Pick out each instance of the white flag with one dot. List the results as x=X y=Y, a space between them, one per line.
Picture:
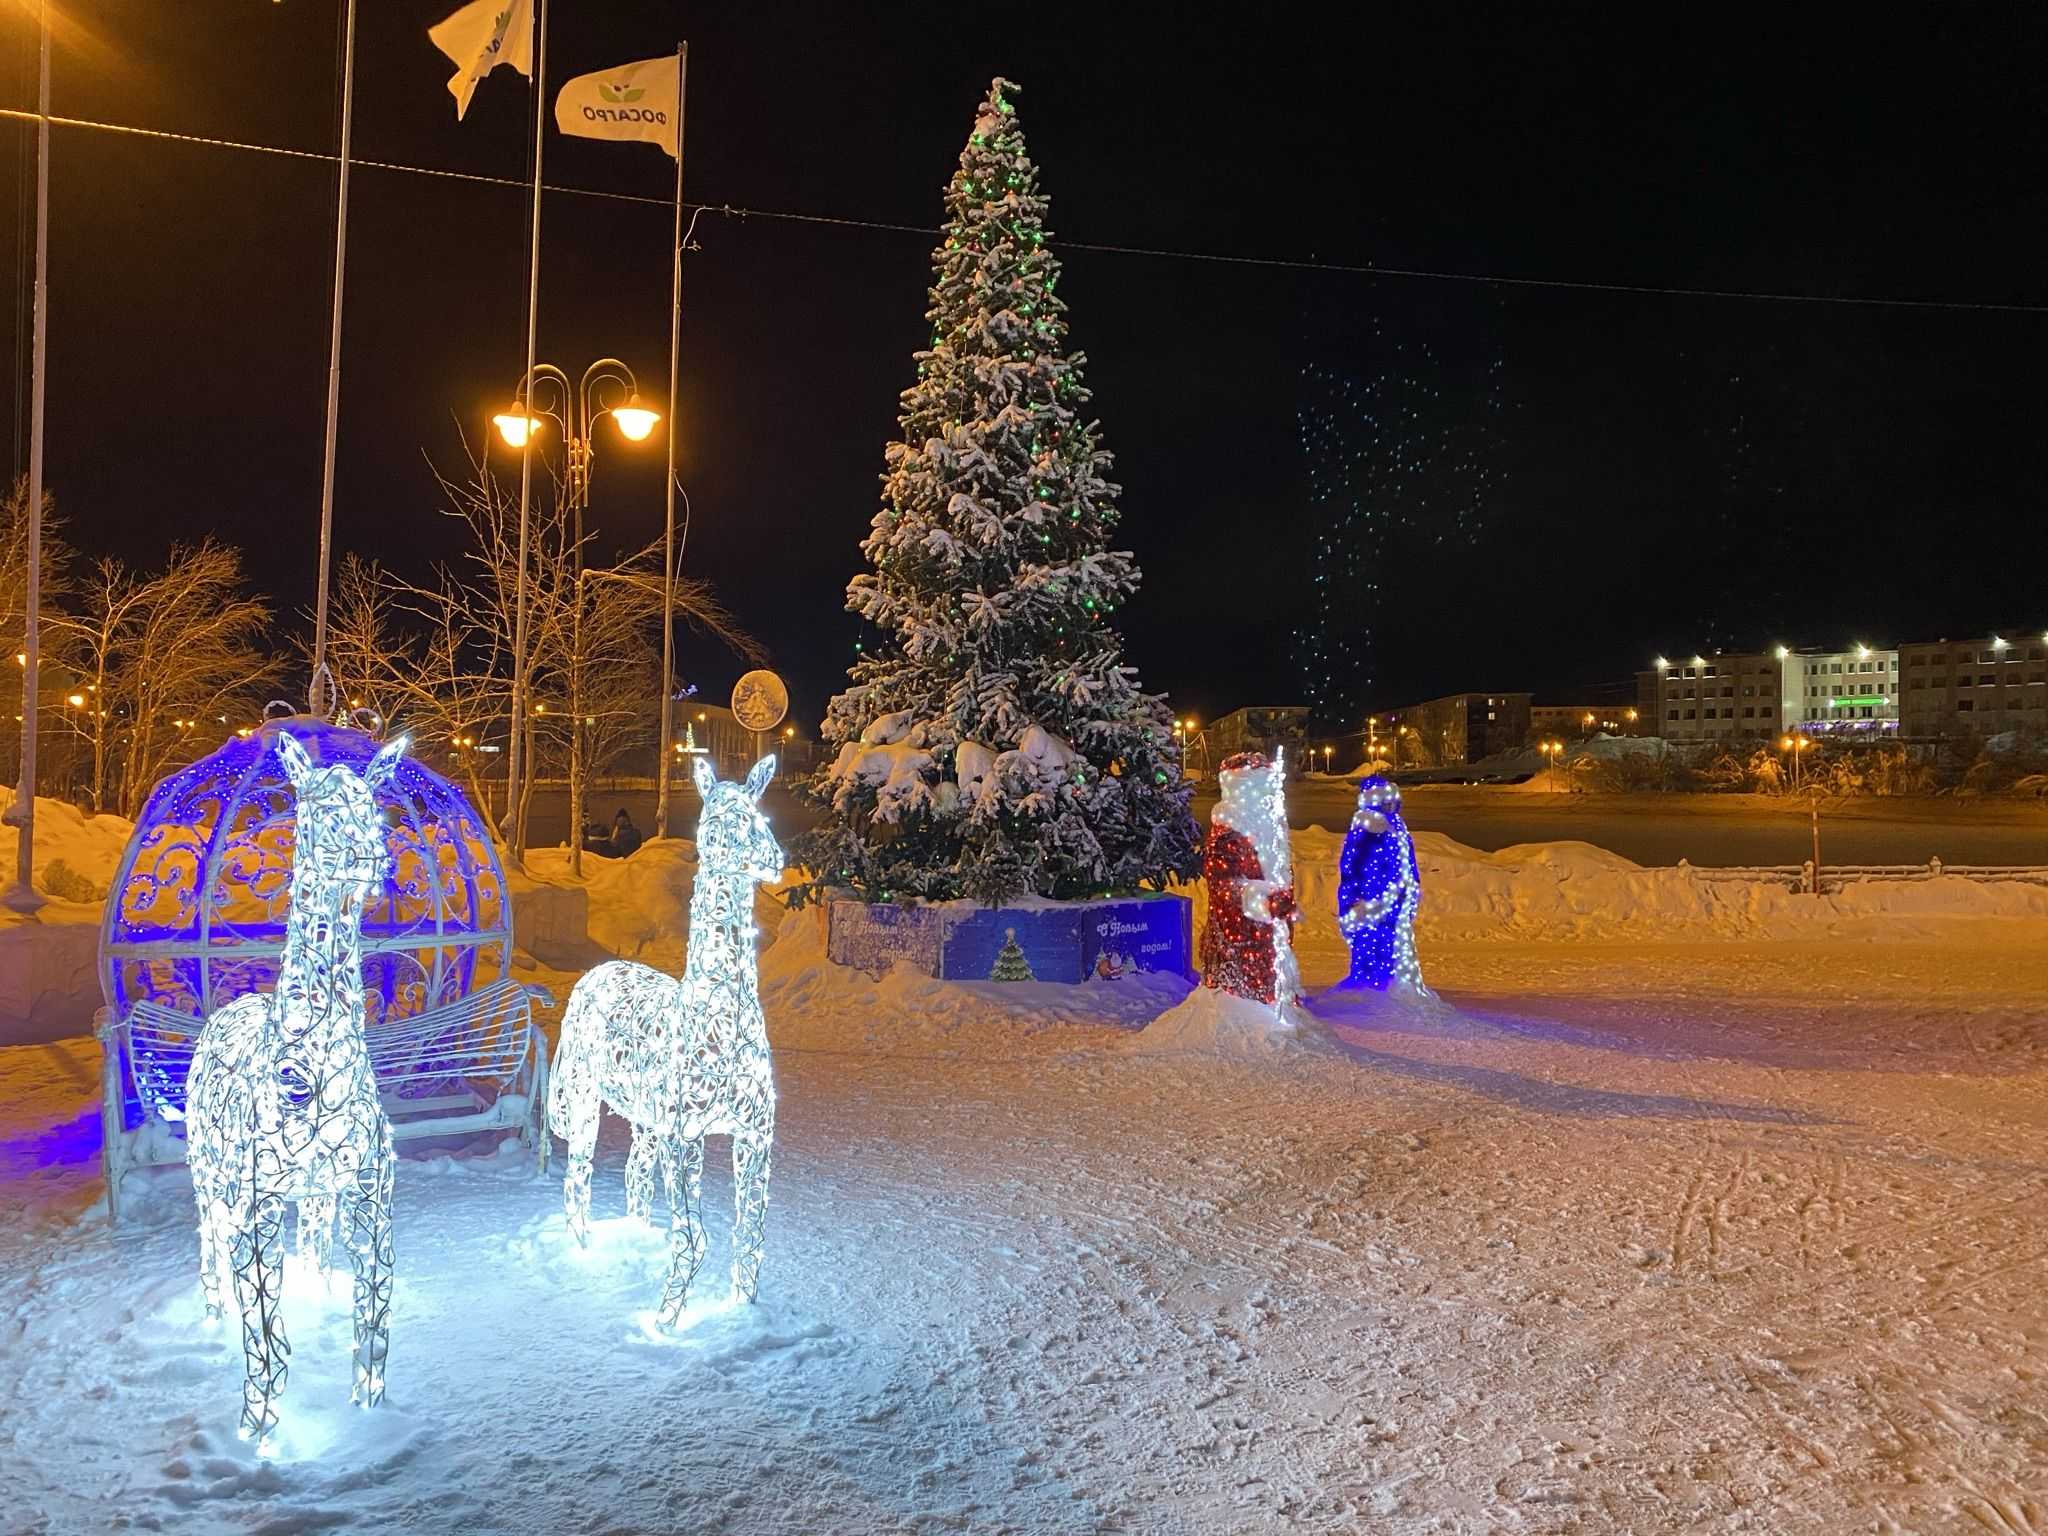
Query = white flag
x=480 y=37
x=635 y=102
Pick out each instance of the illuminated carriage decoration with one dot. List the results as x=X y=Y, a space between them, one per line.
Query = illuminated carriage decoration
x=196 y=918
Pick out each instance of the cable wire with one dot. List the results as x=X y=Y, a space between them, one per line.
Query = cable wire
x=1214 y=258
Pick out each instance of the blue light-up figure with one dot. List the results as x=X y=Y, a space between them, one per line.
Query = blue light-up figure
x=1378 y=892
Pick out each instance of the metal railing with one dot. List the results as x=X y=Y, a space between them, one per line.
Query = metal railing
x=1800 y=877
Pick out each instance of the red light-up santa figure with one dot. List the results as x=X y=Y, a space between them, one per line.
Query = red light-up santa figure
x=1248 y=945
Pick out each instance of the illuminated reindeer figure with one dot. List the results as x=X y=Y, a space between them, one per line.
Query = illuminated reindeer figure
x=686 y=1059
x=282 y=1104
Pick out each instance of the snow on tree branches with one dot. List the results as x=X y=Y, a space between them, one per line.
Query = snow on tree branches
x=994 y=743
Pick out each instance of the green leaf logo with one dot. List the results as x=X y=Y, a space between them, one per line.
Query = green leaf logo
x=621 y=93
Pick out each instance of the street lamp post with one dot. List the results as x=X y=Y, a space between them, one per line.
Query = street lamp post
x=1796 y=744
x=21 y=893
x=517 y=426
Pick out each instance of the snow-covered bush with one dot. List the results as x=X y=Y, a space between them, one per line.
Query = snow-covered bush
x=67 y=884
x=992 y=742
x=1636 y=771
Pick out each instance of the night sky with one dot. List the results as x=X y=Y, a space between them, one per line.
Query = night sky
x=1669 y=472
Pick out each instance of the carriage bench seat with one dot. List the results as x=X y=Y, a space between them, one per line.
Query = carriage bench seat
x=479 y=1063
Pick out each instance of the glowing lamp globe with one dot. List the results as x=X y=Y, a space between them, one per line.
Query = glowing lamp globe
x=516 y=425
x=197 y=913
x=635 y=419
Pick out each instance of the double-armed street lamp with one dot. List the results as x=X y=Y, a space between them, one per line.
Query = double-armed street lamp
x=607 y=388
x=1796 y=744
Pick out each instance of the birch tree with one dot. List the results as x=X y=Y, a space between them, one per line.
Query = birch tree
x=191 y=646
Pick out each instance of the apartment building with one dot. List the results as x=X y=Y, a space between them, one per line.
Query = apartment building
x=1263 y=728
x=1983 y=686
x=1458 y=728
x=1724 y=697
x=1853 y=692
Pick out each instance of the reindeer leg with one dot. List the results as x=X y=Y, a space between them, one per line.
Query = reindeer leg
x=316 y=1231
x=682 y=1170
x=643 y=1162
x=576 y=1181
x=366 y=1209
x=215 y=1223
x=750 y=1154
x=257 y=1252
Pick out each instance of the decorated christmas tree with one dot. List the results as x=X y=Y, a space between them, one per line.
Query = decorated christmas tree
x=1011 y=965
x=992 y=742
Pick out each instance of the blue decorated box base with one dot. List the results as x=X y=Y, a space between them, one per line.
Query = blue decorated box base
x=1063 y=941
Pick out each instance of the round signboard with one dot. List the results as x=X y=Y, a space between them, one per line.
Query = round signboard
x=759 y=701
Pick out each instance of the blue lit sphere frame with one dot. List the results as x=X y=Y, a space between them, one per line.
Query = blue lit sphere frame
x=197 y=912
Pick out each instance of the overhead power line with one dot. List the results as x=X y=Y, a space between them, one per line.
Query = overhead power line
x=1214 y=258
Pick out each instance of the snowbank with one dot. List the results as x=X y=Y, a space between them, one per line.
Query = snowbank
x=49 y=973
x=1213 y=1023
x=49 y=981
x=87 y=847
x=1572 y=890
x=639 y=905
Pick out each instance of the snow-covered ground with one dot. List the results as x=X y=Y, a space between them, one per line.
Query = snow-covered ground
x=1678 y=1215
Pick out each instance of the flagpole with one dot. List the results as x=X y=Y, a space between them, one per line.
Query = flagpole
x=516 y=765
x=21 y=895
x=316 y=696
x=668 y=541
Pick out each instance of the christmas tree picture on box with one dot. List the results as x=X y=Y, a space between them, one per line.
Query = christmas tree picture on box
x=992 y=742
x=1010 y=962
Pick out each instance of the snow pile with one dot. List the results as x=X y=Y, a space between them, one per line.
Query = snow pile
x=85 y=849
x=1610 y=748
x=1573 y=890
x=639 y=905
x=1212 y=1023
x=49 y=964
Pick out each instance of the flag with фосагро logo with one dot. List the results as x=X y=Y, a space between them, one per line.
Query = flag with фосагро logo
x=633 y=102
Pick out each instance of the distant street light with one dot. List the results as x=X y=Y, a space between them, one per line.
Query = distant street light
x=607 y=377
x=1796 y=745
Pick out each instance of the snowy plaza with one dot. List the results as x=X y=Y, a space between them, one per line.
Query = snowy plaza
x=1676 y=1215
x=1384 y=870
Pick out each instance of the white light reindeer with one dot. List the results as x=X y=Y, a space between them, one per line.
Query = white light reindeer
x=282 y=1104
x=686 y=1059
